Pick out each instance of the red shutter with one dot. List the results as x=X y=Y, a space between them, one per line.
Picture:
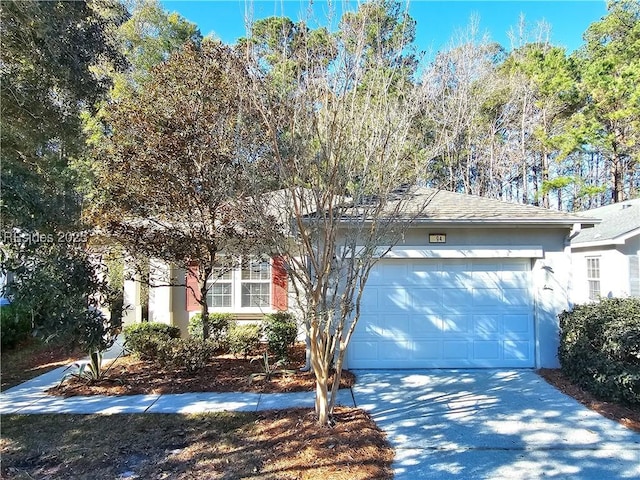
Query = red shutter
x=279 y=284
x=193 y=289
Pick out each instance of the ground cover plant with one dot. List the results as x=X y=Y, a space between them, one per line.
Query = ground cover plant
x=267 y=446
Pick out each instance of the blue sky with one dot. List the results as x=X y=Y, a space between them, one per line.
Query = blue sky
x=437 y=21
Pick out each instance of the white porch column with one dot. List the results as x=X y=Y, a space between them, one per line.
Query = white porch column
x=160 y=292
x=131 y=296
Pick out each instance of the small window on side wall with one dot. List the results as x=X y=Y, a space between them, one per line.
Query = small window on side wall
x=593 y=277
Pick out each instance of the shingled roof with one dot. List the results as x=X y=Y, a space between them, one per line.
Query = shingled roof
x=449 y=207
x=617 y=220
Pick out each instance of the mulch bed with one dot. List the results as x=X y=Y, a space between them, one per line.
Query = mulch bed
x=626 y=415
x=225 y=373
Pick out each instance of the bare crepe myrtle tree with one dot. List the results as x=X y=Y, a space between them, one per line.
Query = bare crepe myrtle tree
x=340 y=133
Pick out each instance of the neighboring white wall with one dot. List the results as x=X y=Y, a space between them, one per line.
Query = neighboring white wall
x=551 y=280
x=615 y=270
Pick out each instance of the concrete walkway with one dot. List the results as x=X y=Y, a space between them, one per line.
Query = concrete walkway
x=491 y=424
x=30 y=398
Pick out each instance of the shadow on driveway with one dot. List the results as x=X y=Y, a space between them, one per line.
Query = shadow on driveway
x=466 y=424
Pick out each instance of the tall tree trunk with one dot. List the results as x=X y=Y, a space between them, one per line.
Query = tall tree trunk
x=321 y=371
x=204 y=311
x=617 y=178
x=544 y=178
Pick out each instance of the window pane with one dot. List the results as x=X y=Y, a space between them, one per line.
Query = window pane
x=221 y=274
x=593 y=277
x=220 y=295
x=594 y=289
x=255 y=294
x=256 y=270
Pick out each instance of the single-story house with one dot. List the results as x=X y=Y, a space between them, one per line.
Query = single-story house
x=474 y=283
x=606 y=258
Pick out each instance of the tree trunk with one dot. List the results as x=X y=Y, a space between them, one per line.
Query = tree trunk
x=321 y=371
x=545 y=178
x=336 y=379
x=617 y=187
x=204 y=311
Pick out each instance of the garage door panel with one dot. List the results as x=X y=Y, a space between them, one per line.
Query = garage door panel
x=425 y=297
x=392 y=298
x=518 y=350
x=395 y=326
x=487 y=350
x=455 y=296
x=487 y=297
x=484 y=325
x=516 y=297
x=455 y=350
x=387 y=273
x=446 y=313
x=397 y=350
x=422 y=326
x=369 y=327
x=456 y=324
x=517 y=324
x=363 y=350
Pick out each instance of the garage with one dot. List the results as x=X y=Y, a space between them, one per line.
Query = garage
x=446 y=313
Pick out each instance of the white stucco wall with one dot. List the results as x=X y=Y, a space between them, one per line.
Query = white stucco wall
x=614 y=269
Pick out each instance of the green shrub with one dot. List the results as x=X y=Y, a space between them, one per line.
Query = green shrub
x=143 y=338
x=281 y=331
x=190 y=354
x=218 y=326
x=15 y=326
x=600 y=348
x=244 y=339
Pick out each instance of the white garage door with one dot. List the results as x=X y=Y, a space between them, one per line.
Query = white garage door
x=437 y=313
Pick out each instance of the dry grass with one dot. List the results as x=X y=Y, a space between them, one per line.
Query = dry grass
x=267 y=445
x=33 y=358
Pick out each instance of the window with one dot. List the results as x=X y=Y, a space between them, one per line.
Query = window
x=593 y=277
x=256 y=283
x=221 y=292
x=247 y=288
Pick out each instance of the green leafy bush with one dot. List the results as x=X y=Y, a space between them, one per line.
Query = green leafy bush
x=244 y=339
x=143 y=338
x=281 y=331
x=600 y=348
x=218 y=326
x=190 y=354
x=15 y=326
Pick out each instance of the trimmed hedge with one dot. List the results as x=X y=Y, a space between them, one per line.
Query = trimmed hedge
x=190 y=354
x=15 y=326
x=144 y=338
x=600 y=348
x=281 y=331
x=244 y=338
x=218 y=326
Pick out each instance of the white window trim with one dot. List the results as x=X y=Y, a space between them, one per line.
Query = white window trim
x=593 y=279
x=236 y=294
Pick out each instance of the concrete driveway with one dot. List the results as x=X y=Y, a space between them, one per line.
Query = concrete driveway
x=469 y=424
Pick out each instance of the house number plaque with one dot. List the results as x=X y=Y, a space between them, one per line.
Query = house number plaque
x=437 y=238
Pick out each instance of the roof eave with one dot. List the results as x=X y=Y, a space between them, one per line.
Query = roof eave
x=618 y=240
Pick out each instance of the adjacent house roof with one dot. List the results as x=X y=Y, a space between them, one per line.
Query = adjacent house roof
x=618 y=222
x=429 y=205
